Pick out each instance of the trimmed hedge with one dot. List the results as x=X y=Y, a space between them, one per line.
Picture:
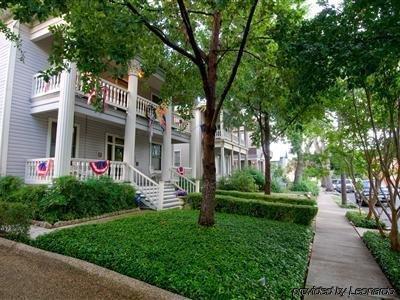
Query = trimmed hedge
x=15 y=219
x=388 y=259
x=269 y=198
x=300 y=214
x=360 y=220
x=306 y=186
x=8 y=185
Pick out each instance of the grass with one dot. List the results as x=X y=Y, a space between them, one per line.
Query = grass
x=360 y=220
x=388 y=260
x=169 y=250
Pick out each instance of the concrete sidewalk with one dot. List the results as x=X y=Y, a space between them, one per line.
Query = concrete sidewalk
x=30 y=273
x=339 y=257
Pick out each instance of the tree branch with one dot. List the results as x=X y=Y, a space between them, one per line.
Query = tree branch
x=237 y=62
x=160 y=34
x=199 y=12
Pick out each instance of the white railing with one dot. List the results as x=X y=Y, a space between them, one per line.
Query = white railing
x=31 y=171
x=80 y=168
x=41 y=87
x=114 y=95
x=143 y=106
x=146 y=185
x=182 y=182
x=218 y=133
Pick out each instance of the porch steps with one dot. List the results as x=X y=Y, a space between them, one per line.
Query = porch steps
x=170 y=199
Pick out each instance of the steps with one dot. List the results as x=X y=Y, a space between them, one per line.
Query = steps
x=150 y=196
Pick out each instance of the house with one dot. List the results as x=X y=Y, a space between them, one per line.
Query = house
x=231 y=149
x=48 y=129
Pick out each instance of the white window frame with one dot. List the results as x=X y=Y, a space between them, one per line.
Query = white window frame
x=49 y=125
x=113 y=143
x=151 y=158
x=180 y=158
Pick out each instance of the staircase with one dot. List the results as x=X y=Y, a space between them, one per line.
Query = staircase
x=170 y=198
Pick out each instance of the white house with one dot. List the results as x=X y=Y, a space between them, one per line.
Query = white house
x=48 y=129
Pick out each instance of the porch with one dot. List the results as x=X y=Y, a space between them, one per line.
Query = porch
x=155 y=195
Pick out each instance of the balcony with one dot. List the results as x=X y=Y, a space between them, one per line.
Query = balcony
x=230 y=137
x=116 y=97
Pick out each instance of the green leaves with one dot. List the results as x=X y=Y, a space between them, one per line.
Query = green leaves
x=169 y=250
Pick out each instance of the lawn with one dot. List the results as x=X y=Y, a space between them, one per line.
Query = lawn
x=169 y=250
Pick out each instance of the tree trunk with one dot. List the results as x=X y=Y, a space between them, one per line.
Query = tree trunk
x=298 y=173
x=267 y=157
x=394 y=232
x=206 y=217
x=343 y=188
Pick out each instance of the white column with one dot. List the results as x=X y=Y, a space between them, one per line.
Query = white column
x=240 y=159
x=194 y=140
x=65 y=122
x=130 y=124
x=223 y=173
x=246 y=142
x=198 y=145
x=232 y=162
x=167 y=147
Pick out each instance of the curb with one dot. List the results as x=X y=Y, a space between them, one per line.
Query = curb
x=136 y=286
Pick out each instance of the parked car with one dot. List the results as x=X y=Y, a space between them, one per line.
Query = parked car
x=349 y=186
x=383 y=194
x=336 y=183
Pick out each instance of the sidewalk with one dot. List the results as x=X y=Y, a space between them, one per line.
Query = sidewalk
x=339 y=257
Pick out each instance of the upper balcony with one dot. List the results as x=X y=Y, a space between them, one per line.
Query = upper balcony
x=116 y=97
x=231 y=137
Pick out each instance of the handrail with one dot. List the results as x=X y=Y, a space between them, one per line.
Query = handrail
x=146 y=185
x=182 y=182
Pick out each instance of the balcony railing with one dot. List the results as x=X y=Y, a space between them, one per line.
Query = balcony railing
x=227 y=135
x=114 y=95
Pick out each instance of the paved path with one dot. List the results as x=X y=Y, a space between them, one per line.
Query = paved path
x=339 y=257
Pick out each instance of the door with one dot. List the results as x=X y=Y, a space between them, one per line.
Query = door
x=115 y=147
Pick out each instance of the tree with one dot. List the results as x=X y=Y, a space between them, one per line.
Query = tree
x=200 y=43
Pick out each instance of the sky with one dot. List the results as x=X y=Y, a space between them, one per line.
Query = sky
x=314 y=8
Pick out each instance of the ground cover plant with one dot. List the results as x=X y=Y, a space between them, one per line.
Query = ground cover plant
x=294 y=213
x=388 y=259
x=168 y=249
x=359 y=219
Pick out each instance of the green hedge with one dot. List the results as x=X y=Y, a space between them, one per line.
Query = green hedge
x=9 y=185
x=360 y=220
x=69 y=198
x=300 y=214
x=14 y=219
x=306 y=186
x=388 y=260
x=269 y=198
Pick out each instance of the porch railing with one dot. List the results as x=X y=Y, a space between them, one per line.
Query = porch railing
x=182 y=182
x=31 y=171
x=41 y=87
x=143 y=105
x=80 y=168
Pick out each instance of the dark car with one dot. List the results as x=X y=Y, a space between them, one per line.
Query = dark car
x=383 y=193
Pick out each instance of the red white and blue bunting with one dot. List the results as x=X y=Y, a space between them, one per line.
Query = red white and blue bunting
x=99 y=167
x=44 y=167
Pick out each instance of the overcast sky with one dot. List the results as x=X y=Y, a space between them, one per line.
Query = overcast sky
x=314 y=8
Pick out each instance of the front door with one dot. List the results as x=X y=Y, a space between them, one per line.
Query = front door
x=114 y=147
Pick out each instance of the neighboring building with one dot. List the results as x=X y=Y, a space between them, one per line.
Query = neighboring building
x=230 y=150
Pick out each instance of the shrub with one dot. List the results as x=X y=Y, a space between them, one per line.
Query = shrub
x=300 y=214
x=31 y=196
x=70 y=198
x=240 y=180
x=360 y=220
x=306 y=186
x=9 y=185
x=294 y=199
x=259 y=178
x=276 y=185
x=388 y=259
x=14 y=219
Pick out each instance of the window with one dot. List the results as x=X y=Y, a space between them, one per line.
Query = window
x=115 y=148
x=177 y=158
x=156 y=157
x=53 y=135
x=156 y=99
